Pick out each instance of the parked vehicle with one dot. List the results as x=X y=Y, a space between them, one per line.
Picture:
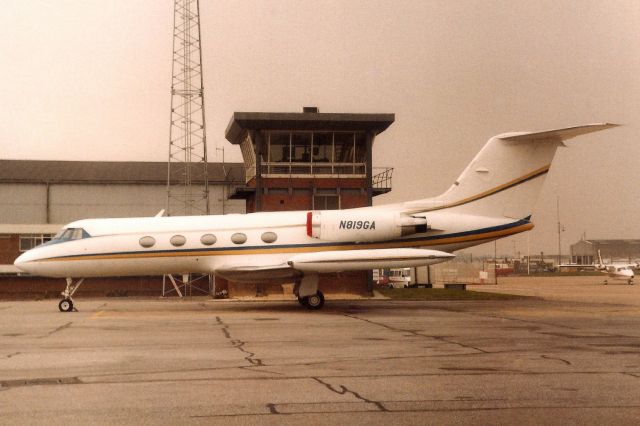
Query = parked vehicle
x=393 y=278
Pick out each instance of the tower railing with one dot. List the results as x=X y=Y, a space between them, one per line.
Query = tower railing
x=381 y=178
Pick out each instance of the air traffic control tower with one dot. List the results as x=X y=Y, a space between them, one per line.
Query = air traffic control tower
x=310 y=161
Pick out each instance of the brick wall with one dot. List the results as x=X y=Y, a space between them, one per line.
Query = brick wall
x=9 y=249
x=28 y=287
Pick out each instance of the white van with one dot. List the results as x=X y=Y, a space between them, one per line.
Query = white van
x=393 y=278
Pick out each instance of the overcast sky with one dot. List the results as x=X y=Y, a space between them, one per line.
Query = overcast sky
x=90 y=80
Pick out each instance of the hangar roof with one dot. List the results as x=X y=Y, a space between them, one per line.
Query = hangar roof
x=241 y=121
x=105 y=172
x=626 y=241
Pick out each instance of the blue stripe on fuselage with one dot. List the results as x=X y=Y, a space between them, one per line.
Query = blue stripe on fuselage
x=424 y=239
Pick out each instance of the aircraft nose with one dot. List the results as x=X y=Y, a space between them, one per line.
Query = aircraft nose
x=23 y=260
x=19 y=260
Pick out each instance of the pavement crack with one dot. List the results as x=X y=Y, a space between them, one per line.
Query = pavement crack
x=239 y=344
x=252 y=369
x=556 y=359
x=62 y=327
x=503 y=317
x=418 y=334
x=344 y=390
x=225 y=331
x=40 y=382
x=11 y=355
x=225 y=327
x=272 y=408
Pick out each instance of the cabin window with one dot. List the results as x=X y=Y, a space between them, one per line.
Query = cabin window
x=238 y=238
x=147 y=241
x=208 y=239
x=269 y=237
x=178 y=240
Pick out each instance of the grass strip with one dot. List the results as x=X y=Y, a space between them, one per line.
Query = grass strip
x=444 y=294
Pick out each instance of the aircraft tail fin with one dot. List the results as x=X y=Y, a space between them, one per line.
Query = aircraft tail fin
x=600 y=263
x=505 y=177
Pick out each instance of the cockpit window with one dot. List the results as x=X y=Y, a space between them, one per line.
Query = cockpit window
x=69 y=234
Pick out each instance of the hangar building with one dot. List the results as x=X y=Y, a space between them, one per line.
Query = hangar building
x=585 y=252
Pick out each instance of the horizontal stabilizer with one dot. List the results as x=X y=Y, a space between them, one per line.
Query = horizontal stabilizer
x=558 y=134
x=356 y=260
x=505 y=177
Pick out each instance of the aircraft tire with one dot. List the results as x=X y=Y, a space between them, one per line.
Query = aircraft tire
x=314 y=302
x=65 y=305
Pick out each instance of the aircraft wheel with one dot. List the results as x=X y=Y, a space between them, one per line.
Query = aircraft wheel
x=65 y=305
x=315 y=301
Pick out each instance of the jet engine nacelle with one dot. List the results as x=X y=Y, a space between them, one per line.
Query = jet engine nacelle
x=362 y=226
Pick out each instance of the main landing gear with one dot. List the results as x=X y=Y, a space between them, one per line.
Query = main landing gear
x=308 y=294
x=66 y=304
x=315 y=301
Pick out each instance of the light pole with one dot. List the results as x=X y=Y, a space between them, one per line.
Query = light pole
x=224 y=173
x=495 y=262
x=560 y=229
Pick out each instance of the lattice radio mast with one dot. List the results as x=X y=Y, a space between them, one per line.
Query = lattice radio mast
x=187 y=179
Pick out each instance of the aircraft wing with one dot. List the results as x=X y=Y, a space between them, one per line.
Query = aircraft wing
x=355 y=260
x=332 y=261
x=252 y=273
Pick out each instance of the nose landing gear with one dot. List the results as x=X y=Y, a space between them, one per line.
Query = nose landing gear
x=66 y=304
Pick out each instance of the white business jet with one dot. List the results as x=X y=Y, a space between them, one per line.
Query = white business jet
x=493 y=198
x=616 y=270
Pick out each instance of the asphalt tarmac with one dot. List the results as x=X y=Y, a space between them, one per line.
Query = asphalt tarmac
x=552 y=359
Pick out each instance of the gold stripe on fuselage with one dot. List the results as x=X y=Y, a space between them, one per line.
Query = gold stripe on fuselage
x=305 y=249
x=515 y=182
